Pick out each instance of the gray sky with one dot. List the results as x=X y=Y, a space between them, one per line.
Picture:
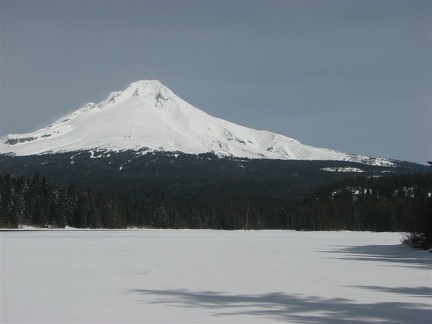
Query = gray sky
x=352 y=75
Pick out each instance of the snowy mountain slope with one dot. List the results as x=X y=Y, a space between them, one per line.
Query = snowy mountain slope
x=148 y=116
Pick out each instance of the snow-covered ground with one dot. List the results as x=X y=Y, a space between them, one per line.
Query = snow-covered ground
x=185 y=276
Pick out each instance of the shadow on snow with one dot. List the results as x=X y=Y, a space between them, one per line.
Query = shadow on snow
x=297 y=308
x=399 y=255
x=312 y=309
x=410 y=291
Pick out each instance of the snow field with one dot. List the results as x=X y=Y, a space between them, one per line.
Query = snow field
x=186 y=276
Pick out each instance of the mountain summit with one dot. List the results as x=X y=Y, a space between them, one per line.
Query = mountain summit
x=147 y=116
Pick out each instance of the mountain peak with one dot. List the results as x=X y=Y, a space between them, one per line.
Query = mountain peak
x=146 y=88
x=152 y=89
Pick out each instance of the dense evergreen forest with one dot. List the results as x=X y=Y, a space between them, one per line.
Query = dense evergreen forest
x=175 y=190
x=396 y=203
x=35 y=202
x=393 y=203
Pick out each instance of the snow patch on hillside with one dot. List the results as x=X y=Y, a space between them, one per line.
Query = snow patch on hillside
x=342 y=169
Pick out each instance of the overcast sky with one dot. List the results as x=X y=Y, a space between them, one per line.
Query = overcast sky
x=353 y=76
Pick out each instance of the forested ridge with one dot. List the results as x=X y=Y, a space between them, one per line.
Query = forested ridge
x=395 y=203
x=176 y=190
x=391 y=203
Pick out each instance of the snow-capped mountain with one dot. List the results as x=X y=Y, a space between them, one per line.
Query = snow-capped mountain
x=147 y=116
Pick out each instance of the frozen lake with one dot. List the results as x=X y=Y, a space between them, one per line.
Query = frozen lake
x=184 y=276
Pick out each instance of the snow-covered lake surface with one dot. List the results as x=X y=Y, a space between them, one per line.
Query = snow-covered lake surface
x=185 y=276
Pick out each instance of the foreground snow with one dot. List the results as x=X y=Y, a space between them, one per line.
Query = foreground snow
x=212 y=276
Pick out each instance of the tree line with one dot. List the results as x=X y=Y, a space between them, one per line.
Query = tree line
x=392 y=203
x=395 y=203
x=35 y=202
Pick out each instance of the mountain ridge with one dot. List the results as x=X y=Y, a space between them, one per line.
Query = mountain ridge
x=148 y=116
